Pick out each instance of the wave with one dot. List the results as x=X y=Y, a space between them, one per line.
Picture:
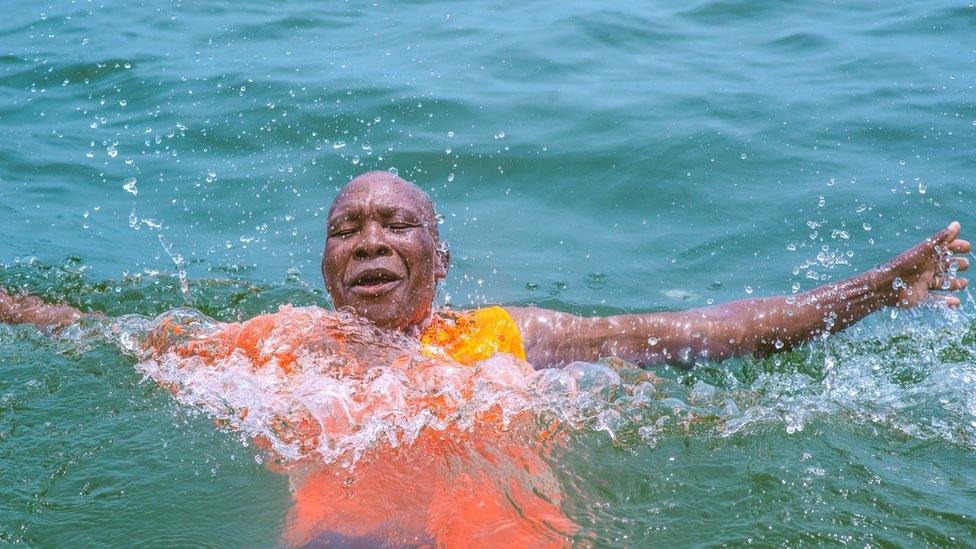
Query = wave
x=914 y=375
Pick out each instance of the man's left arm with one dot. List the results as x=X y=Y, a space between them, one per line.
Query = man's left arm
x=752 y=326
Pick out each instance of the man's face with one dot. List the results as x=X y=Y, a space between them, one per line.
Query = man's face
x=382 y=257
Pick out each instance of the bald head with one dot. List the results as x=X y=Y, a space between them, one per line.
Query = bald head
x=386 y=182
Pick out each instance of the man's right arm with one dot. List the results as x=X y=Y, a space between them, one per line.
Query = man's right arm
x=28 y=309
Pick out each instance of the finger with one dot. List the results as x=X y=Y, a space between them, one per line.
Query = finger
x=952 y=264
x=953 y=230
x=948 y=234
x=948 y=284
x=952 y=301
x=962 y=263
x=959 y=246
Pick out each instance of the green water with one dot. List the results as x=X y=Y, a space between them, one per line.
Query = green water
x=586 y=156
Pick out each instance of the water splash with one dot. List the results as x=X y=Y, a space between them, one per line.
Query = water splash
x=180 y=268
x=915 y=376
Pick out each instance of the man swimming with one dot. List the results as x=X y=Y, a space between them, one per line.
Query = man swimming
x=383 y=259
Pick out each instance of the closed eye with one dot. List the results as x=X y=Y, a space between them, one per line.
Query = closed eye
x=341 y=233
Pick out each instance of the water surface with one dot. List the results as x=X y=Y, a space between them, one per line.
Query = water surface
x=586 y=157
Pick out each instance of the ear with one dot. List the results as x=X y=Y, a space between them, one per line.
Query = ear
x=442 y=260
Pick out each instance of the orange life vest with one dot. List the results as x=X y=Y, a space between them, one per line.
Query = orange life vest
x=466 y=337
x=489 y=487
x=472 y=336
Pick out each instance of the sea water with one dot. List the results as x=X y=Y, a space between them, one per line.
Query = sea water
x=587 y=157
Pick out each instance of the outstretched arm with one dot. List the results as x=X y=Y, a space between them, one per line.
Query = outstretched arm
x=28 y=309
x=751 y=326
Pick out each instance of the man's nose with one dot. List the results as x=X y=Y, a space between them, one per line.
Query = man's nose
x=372 y=243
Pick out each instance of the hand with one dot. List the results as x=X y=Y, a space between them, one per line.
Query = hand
x=930 y=266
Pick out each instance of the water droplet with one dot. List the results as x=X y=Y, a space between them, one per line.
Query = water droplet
x=112 y=151
x=130 y=186
x=779 y=344
x=123 y=102
x=922 y=187
x=355 y=160
x=338 y=145
x=748 y=289
x=394 y=171
x=500 y=135
x=450 y=134
x=866 y=226
x=743 y=156
x=652 y=341
x=450 y=177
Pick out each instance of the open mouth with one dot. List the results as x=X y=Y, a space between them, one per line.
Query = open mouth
x=374 y=282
